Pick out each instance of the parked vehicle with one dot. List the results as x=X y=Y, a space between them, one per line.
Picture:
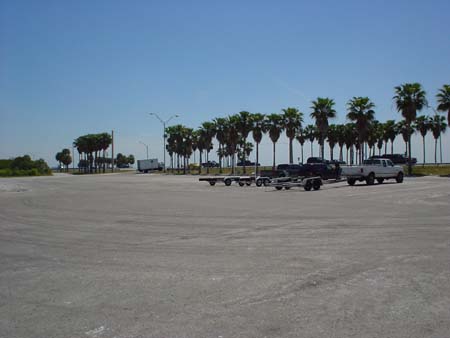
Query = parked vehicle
x=247 y=163
x=315 y=160
x=210 y=164
x=148 y=165
x=323 y=170
x=396 y=158
x=373 y=169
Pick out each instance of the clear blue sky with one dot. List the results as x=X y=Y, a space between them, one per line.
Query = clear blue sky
x=73 y=67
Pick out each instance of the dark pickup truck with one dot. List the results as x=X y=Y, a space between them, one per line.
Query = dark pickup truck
x=326 y=171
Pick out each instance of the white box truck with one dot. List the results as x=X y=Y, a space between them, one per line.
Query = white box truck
x=148 y=165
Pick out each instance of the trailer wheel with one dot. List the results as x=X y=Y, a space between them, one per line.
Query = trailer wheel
x=399 y=177
x=248 y=183
x=259 y=182
x=380 y=180
x=370 y=180
x=227 y=182
x=241 y=184
x=278 y=188
x=308 y=185
x=212 y=182
x=266 y=182
x=351 y=181
x=316 y=184
x=287 y=188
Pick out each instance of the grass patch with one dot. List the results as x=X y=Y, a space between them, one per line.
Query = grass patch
x=21 y=172
x=437 y=170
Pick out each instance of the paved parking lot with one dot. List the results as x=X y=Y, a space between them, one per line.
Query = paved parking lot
x=127 y=255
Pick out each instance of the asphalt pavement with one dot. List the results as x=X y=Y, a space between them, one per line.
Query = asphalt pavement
x=135 y=255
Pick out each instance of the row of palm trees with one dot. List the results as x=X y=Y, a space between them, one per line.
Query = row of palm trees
x=363 y=130
x=90 y=148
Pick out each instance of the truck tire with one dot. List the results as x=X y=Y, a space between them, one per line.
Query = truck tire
x=278 y=188
x=259 y=182
x=351 y=181
x=308 y=185
x=287 y=188
x=241 y=184
x=316 y=184
x=266 y=182
x=370 y=180
x=212 y=182
x=227 y=182
x=380 y=180
x=248 y=183
x=399 y=178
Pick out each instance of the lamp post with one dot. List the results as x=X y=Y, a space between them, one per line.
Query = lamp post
x=146 y=146
x=164 y=122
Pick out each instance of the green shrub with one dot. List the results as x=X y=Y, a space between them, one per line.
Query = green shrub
x=24 y=166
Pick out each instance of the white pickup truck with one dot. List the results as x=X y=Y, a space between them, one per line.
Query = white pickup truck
x=379 y=169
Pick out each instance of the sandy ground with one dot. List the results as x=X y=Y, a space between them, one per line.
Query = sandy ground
x=153 y=256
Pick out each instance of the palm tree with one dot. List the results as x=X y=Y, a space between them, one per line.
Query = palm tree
x=350 y=136
x=389 y=134
x=409 y=99
x=232 y=137
x=332 y=135
x=220 y=128
x=373 y=136
x=244 y=126
x=403 y=129
x=257 y=132
x=423 y=125
x=340 y=131
x=292 y=122
x=360 y=110
x=301 y=138
x=322 y=111
x=443 y=98
x=207 y=133
x=310 y=133
x=438 y=127
x=274 y=126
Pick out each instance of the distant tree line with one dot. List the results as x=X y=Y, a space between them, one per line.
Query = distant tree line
x=362 y=130
x=24 y=166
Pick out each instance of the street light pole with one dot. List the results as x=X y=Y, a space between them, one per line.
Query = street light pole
x=164 y=132
x=146 y=146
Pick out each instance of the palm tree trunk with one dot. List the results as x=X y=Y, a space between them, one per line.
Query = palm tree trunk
x=207 y=161
x=440 y=146
x=301 y=146
x=392 y=147
x=341 y=154
x=273 y=164
x=243 y=154
x=291 y=154
x=220 y=157
x=200 y=166
x=423 y=137
x=312 y=154
x=435 y=151
x=409 y=152
x=385 y=147
x=257 y=159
